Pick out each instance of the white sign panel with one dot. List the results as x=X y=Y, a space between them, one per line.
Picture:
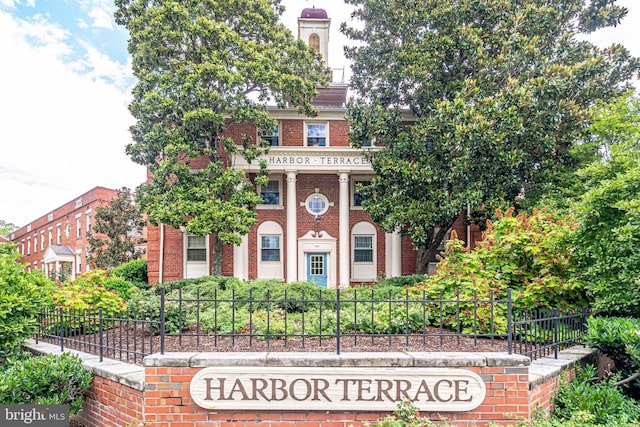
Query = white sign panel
x=322 y=389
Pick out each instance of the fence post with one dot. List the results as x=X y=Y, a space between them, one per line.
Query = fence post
x=337 y=320
x=61 y=329
x=162 y=325
x=509 y=322
x=100 y=330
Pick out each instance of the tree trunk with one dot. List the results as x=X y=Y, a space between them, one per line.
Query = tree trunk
x=216 y=264
x=426 y=254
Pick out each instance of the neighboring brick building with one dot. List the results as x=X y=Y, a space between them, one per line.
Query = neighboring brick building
x=311 y=226
x=57 y=243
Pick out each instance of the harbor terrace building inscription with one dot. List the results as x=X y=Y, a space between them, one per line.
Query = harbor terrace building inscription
x=321 y=388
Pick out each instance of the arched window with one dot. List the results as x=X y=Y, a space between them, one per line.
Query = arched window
x=364 y=266
x=270 y=251
x=314 y=42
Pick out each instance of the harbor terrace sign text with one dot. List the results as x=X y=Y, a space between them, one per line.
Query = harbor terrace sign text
x=322 y=388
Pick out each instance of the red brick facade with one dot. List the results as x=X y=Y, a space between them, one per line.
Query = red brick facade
x=65 y=227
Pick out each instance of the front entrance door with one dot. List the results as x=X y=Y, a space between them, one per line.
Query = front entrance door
x=317 y=268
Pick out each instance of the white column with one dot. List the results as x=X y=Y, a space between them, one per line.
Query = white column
x=241 y=258
x=344 y=237
x=292 y=229
x=396 y=254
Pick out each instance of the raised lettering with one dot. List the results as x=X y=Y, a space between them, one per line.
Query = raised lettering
x=383 y=388
x=282 y=387
x=402 y=386
x=362 y=388
x=436 y=390
x=458 y=389
x=292 y=389
x=424 y=388
x=209 y=387
x=321 y=390
x=345 y=388
x=238 y=387
x=259 y=388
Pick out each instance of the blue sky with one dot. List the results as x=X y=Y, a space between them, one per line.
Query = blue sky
x=65 y=83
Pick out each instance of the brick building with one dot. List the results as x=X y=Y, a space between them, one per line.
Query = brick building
x=311 y=226
x=57 y=242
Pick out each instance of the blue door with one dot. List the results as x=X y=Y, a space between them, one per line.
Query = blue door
x=317 y=268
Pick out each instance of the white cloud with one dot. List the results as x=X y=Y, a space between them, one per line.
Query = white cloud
x=63 y=132
x=101 y=11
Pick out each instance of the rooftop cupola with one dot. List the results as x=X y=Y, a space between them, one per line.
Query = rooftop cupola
x=313 y=28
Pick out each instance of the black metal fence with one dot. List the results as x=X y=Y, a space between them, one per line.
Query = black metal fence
x=363 y=320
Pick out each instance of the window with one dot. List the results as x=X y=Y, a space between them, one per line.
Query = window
x=196 y=248
x=42 y=240
x=29 y=246
x=270 y=248
x=35 y=243
x=363 y=249
x=358 y=197
x=314 y=42
x=270 y=193
x=50 y=216
x=272 y=137
x=88 y=222
x=79 y=202
x=317 y=204
x=58 y=234
x=78 y=227
x=316 y=134
x=50 y=236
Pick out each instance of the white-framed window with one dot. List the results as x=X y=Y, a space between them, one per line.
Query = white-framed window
x=42 y=240
x=22 y=247
x=35 y=242
x=88 y=221
x=50 y=236
x=79 y=261
x=269 y=248
x=28 y=245
x=271 y=136
x=78 y=226
x=50 y=216
x=79 y=202
x=316 y=134
x=29 y=228
x=363 y=249
x=270 y=265
x=67 y=230
x=58 y=234
x=317 y=204
x=196 y=248
x=363 y=252
x=356 y=197
x=271 y=194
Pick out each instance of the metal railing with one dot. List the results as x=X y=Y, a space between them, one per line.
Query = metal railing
x=360 y=320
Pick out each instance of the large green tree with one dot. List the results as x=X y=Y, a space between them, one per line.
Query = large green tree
x=607 y=245
x=473 y=101
x=201 y=64
x=6 y=227
x=116 y=234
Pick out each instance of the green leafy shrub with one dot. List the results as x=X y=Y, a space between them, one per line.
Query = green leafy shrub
x=405 y=415
x=528 y=253
x=145 y=305
x=121 y=286
x=50 y=379
x=594 y=401
x=618 y=338
x=88 y=292
x=401 y=281
x=23 y=295
x=133 y=271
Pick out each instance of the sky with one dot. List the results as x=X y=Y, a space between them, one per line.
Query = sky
x=65 y=84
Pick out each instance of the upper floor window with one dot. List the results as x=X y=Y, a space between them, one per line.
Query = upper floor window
x=358 y=197
x=316 y=134
x=79 y=202
x=272 y=136
x=58 y=234
x=35 y=243
x=270 y=193
x=88 y=222
x=78 y=227
x=314 y=42
x=42 y=240
x=50 y=216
